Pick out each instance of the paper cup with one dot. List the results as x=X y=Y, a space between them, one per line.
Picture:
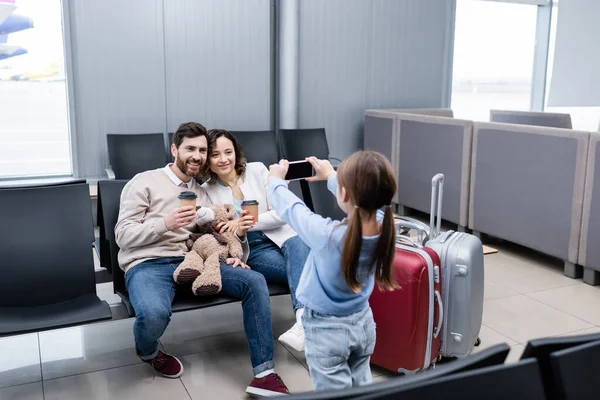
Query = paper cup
x=252 y=207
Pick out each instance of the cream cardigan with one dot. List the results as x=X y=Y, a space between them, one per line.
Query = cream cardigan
x=254 y=188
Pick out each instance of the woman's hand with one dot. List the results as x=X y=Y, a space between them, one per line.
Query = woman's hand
x=279 y=170
x=242 y=224
x=245 y=223
x=235 y=262
x=323 y=169
x=229 y=226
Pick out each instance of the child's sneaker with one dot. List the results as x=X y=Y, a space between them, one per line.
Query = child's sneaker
x=269 y=386
x=294 y=337
x=166 y=365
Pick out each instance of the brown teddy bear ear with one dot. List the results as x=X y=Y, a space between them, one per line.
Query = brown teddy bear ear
x=226 y=207
x=230 y=210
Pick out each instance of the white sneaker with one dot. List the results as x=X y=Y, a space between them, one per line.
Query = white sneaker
x=294 y=337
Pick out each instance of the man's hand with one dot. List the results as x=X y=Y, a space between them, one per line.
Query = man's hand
x=236 y=262
x=279 y=170
x=180 y=217
x=323 y=169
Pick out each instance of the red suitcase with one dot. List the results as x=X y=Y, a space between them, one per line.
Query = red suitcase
x=409 y=319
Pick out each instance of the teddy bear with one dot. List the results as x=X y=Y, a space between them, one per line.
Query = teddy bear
x=207 y=249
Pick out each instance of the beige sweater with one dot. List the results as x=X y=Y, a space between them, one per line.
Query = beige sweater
x=140 y=232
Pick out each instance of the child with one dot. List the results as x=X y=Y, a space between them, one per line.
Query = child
x=345 y=260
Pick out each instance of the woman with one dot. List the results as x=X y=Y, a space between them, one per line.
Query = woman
x=275 y=249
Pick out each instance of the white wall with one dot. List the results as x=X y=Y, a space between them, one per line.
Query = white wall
x=118 y=74
x=143 y=66
x=360 y=54
x=218 y=59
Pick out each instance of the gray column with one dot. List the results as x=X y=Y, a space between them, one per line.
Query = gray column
x=288 y=47
x=540 y=60
x=448 y=54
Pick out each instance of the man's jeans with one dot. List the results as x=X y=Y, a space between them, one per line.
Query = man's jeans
x=151 y=290
x=283 y=266
x=338 y=349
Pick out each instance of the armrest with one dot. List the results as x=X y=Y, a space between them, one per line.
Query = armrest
x=110 y=173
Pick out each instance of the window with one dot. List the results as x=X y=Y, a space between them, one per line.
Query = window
x=493 y=57
x=583 y=118
x=34 y=128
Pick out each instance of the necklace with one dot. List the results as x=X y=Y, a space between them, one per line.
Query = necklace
x=236 y=184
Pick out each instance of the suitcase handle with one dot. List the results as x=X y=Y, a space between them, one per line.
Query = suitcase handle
x=438 y=328
x=419 y=225
x=410 y=223
x=437 y=190
x=409 y=240
x=445 y=236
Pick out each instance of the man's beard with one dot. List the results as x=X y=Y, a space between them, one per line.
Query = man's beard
x=186 y=168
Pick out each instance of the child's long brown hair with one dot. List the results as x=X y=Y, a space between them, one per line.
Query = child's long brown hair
x=369 y=180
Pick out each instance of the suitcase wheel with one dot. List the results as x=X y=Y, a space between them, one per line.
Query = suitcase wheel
x=477 y=342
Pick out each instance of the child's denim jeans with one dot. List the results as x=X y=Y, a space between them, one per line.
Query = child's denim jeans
x=338 y=349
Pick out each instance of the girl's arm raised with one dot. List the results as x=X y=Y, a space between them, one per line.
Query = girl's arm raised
x=313 y=229
x=270 y=219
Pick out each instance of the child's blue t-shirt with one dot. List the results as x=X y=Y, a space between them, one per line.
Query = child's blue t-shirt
x=322 y=286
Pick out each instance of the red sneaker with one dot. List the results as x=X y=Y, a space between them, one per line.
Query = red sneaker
x=270 y=385
x=166 y=365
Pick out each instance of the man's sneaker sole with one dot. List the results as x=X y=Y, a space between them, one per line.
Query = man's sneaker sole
x=290 y=344
x=254 y=391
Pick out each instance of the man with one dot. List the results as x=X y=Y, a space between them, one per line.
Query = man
x=151 y=233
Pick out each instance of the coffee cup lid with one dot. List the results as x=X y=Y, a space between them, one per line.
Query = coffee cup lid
x=187 y=195
x=249 y=203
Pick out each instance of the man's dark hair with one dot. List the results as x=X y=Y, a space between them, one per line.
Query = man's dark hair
x=188 y=130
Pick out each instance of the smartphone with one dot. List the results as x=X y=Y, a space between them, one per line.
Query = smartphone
x=299 y=170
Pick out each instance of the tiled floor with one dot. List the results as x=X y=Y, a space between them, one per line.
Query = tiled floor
x=526 y=296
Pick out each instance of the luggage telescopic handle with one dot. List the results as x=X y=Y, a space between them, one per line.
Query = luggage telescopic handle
x=437 y=191
x=438 y=328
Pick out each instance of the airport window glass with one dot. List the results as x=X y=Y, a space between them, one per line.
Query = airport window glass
x=34 y=127
x=493 y=57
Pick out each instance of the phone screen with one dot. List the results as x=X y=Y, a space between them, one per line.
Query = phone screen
x=299 y=170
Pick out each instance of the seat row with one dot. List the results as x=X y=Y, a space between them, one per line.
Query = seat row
x=47 y=266
x=130 y=154
x=48 y=272
x=536 y=186
x=46 y=260
x=48 y=282
x=551 y=368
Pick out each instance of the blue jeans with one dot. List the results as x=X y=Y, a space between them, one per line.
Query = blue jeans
x=283 y=266
x=338 y=349
x=152 y=289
